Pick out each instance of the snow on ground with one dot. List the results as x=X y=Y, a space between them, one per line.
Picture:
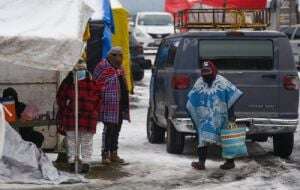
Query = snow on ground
x=151 y=167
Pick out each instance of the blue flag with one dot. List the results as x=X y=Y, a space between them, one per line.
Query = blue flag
x=109 y=28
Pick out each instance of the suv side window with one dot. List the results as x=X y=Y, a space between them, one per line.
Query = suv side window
x=162 y=55
x=173 y=46
x=167 y=53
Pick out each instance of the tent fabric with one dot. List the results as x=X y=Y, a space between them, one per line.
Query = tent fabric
x=109 y=27
x=102 y=11
x=22 y=162
x=44 y=35
x=121 y=38
x=2 y=129
x=173 y=6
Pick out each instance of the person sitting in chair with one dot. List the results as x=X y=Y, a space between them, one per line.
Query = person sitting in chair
x=27 y=133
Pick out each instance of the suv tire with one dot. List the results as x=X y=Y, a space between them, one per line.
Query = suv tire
x=175 y=140
x=283 y=144
x=155 y=134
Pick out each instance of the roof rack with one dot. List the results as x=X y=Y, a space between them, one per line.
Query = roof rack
x=229 y=18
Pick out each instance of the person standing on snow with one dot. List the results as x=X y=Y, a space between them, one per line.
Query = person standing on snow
x=88 y=106
x=115 y=105
x=210 y=104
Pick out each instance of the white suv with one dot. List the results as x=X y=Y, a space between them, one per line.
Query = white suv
x=152 y=27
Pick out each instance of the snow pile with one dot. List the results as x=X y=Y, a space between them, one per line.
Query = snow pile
x=42 y=34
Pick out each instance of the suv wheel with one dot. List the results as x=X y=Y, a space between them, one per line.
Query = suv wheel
x=283 y=144
x=155 y=133
x=137 y=72
x=175 y=140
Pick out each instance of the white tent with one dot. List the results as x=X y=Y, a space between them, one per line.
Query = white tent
x=98 y=12
x=44 y=34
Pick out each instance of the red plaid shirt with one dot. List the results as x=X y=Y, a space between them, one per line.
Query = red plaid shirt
x=88 y=105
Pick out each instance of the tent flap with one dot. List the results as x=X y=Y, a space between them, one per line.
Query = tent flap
x=44 y=35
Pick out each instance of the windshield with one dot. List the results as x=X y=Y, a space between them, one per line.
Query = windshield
x=160 y=20
x=238 y=54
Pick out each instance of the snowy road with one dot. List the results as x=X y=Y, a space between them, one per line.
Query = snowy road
x=151 y=167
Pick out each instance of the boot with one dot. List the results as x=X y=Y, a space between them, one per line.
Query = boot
x=228 y=165
x=85 y=168
x=116 y=159
x=106 y=158
x=202 y=153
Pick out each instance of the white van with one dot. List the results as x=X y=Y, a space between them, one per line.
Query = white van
x=152 y=27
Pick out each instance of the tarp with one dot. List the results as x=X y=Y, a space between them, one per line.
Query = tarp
x=43 y=34
x=121 y=35
x=22 y=162
x=174 y=6
x=121 y=38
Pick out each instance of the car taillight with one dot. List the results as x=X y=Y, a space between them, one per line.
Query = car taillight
x=291 y=82
x=181 y=82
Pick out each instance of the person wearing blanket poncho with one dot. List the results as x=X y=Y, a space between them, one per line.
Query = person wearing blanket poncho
x=210 y=105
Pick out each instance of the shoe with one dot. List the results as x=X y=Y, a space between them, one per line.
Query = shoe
x=198 y=165
x=106 y=158
x=114 y=157
x=228 y=165
x=202 y=153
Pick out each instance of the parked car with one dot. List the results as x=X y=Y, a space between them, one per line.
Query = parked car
x=260 y=63
x=138 y=61
x=293 y=33
x=152 y=27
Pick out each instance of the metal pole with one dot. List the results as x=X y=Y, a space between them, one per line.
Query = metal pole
x=76 y=123
x=277 y=14
x=224 y=13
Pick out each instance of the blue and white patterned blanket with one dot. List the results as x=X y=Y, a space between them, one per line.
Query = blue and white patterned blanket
x=208 y=107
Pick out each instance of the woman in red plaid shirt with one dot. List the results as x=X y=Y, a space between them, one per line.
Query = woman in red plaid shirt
x=88 y=106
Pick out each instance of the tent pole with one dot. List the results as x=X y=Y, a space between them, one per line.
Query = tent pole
x=76 y=124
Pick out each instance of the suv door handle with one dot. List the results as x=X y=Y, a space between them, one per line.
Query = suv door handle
x=271 y=76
